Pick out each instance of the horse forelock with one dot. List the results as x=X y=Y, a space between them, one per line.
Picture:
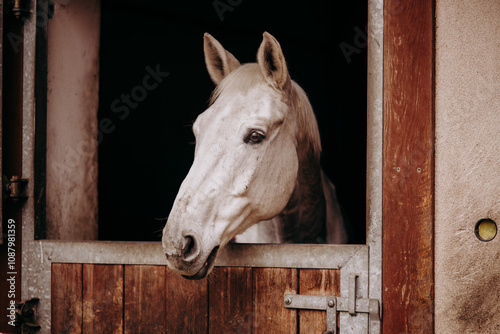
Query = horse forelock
x=240 y=81
x=249 y=76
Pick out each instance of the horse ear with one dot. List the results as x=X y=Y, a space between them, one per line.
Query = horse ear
x=272 y=62
x=219 y=62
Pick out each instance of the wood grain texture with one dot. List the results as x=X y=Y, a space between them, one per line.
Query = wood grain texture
x=89 y=298
x=67 y=298
x=230 y=300
x=408 y=168
x=319 y=282
x=144 y=299
x=186 y=304
x=102 y=299
x=269 y=287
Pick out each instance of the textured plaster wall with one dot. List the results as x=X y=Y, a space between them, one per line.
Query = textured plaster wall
x=467 y=271
x=73 y=69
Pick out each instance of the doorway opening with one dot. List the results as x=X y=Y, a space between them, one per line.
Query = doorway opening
x=153 y=84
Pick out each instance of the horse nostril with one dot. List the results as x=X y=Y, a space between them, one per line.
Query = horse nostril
x=189 y=248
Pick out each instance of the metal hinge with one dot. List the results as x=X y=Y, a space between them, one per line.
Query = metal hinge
x=20 y=8
x=26 y=316
x=14 y=188
x=334 y=304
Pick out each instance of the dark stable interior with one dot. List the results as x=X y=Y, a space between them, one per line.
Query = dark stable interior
x=145 y=138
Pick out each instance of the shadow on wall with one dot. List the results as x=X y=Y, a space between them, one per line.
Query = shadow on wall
x=153 y=85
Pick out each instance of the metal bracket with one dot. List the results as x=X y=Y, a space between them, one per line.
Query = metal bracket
x=14 y=188
x=334 y=304
x=320 y=303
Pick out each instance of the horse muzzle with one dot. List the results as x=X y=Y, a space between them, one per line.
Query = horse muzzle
x=187 y=257
x=207 y=266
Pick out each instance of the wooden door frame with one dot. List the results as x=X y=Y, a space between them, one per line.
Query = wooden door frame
x=408 y=167
x=406 y=178
x=38 y=255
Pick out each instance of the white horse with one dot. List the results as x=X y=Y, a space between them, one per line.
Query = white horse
x=256 y=173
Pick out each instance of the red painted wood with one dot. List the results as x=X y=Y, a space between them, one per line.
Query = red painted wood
x=408 y=168
x=88 y=298
x=230 y=300
x=67 y=298
x=187 y=304
x=102 y=299
x=144 y=299
x=269 y=313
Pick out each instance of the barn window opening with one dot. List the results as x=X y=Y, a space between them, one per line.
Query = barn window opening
x=118 y=154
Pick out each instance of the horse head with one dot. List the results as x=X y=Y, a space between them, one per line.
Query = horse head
x=246 y=156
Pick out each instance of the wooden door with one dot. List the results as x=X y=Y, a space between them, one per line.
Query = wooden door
x=105 y=294
x=97 y=298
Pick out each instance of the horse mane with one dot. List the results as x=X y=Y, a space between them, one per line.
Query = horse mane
x=248 y=76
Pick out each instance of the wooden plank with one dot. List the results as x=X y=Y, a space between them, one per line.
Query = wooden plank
x=102 y=298
x=269 y=287
x=144 y=309
x=408 y=167
x=67 y=298
x=230 y=300
x=187 y=304
x=321 y=282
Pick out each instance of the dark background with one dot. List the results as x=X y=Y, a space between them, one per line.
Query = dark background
x=145 y=155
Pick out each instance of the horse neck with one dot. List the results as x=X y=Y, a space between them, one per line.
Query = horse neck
x=303 y=219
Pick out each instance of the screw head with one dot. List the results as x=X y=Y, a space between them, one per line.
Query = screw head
x=331 y=303
x=288 y=301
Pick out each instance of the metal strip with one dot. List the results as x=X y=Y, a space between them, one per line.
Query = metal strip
x=331 y=317
x=374 y=151
x=234 y=255
x=352 y=294
x=307 y=302
x=291 y=256
x=321 y=303
x=318 y=303
x=362 y=305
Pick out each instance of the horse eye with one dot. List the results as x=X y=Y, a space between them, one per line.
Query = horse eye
x=254 y=137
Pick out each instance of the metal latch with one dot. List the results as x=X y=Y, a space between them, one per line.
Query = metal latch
x=334 y=304
x=14 y=188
